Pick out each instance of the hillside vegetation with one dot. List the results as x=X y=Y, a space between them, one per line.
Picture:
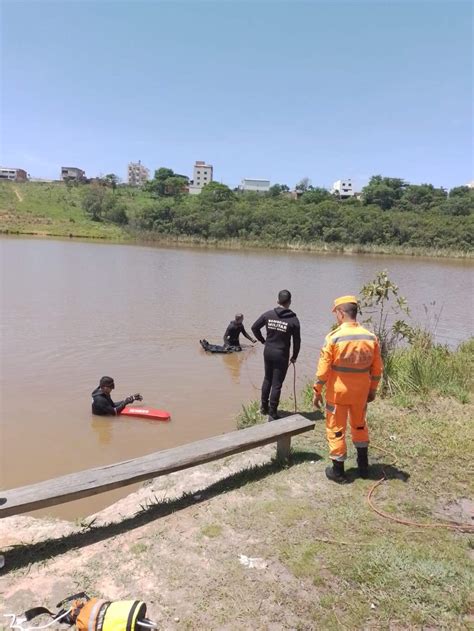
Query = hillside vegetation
x=393 y=216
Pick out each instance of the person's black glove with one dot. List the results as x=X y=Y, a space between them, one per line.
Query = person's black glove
x=130 y=399
x=138 y=397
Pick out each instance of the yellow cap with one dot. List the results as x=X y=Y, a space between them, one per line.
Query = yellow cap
x=344 y=300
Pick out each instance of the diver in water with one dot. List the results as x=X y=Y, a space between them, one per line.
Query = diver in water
x=102 y=404
x=233 y=331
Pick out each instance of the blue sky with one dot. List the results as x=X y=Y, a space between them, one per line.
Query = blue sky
x=277 y=90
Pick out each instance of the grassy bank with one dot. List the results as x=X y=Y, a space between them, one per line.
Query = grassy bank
x=323 y=559
x=49 y=210
x=56 y=210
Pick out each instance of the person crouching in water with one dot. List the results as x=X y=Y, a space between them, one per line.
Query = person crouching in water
x=233 y=331
x=102 y=404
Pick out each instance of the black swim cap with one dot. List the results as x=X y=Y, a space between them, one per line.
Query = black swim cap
x=284 y=296
x=107 y=381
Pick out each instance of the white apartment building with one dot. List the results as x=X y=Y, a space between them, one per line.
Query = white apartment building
x=343 y=188
x=202 y=175
x=258 y=186
x=137 y=174
x=72 y=174
x=13 y=174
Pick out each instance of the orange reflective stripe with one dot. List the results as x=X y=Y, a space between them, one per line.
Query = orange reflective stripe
x=349 y=338
x=349 y=369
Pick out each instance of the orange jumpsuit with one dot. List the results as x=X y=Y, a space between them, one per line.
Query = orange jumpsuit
x=349 y=366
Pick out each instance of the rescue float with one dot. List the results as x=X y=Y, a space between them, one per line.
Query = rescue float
x=146 y=412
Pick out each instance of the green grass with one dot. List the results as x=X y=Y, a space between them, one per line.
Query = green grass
x=392 y=580
x=211 y=530
x=49 y=209
x=436 y=369
x=382 y=573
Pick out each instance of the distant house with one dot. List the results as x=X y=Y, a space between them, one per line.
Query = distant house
x=137 y=173
x=202 y=175
x=296 y=194
x=72 y=174
x=12 y=174
x=258 y=186
x=343 y=188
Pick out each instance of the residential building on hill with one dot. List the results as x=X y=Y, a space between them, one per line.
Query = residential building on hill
x=72 y=174
x=343 y=188
x=137 y=174
x=258 y=186
x=202 y=175
x=13 y=174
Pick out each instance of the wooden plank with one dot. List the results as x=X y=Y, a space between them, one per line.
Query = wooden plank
x=93 y=481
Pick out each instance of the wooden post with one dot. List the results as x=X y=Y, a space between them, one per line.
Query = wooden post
x=283 y=448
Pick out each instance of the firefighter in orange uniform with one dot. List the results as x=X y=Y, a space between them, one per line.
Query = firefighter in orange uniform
x=350 y=366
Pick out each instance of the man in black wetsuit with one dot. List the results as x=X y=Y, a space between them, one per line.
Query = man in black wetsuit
x=233 y=331
x=102 y=404
x=281 y=325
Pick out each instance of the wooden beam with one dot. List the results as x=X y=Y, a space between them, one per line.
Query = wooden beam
x=93 y=481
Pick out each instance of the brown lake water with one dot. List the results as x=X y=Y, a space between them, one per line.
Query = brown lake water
x=74 y=311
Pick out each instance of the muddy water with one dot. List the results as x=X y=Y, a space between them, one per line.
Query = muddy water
x=72 y=312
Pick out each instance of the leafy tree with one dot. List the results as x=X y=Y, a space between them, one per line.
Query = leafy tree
x=383 y=191
x=93 y=202
x=112 y=179
x=100 y=204
x=166 y=183
x=382 y=303
x=315 y=195
x=457 y=206
x=216 y=192
x=422 y=197
x=116 y=213
x=303 y=185
x=461 y=191
x=278 y=189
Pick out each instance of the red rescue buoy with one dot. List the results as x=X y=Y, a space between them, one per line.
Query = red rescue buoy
x=145 y=412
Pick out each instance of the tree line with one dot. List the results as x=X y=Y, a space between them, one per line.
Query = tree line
x=390 y=212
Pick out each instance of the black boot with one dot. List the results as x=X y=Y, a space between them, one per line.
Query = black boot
x=336 y=472
x=264 y=408
x=363 y=461
x=273 y=414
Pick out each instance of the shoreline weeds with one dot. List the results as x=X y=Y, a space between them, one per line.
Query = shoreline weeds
x=154 y=239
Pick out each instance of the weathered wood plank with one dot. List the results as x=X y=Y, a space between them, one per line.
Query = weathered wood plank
x=74 y=486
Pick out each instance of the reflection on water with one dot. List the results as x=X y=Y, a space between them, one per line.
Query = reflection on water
x=234 y=362
x=64 y=325
x=103 y=429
